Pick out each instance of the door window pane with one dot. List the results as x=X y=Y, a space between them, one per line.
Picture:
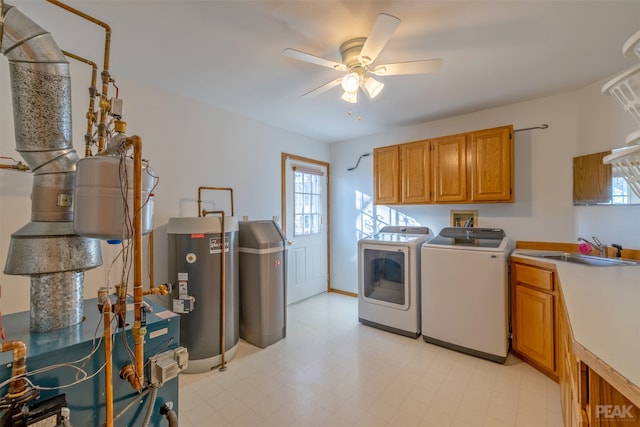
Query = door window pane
x=307 y=209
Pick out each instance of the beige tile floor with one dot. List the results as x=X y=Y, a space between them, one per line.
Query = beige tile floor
x=331 y=370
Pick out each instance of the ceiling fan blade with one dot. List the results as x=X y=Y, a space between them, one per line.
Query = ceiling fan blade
x=412 y=67
x=380 y=34
x=301 y=56
x=323 y=88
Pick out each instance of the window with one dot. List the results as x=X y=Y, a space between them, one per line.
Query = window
x=307 y=193
x=620 y=190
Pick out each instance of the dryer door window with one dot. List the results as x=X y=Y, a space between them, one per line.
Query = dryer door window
x=384 y=276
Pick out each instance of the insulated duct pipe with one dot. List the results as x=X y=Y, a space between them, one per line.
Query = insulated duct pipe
x=46 y=249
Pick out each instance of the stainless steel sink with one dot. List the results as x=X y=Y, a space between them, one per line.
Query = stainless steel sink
x=585 y=259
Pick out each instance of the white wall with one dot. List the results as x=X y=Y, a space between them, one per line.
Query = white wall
x=604 y=126
x=188 y=145
x=579 y=122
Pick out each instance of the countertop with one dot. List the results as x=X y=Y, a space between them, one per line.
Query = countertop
x=603 y=305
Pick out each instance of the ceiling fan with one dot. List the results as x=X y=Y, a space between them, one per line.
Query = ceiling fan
x=358 y=62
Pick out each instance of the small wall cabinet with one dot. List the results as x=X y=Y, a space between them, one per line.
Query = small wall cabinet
x=591 y=179
x=474 y=167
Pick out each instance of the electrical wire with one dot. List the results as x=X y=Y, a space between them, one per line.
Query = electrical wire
x=127 y=258
x=81 y=374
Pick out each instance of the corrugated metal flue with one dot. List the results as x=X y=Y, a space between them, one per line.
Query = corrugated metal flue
x=47 y=249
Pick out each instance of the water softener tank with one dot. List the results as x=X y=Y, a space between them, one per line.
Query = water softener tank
x=99 y=207
x=195 y=269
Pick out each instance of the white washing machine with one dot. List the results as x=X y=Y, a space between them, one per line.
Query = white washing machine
x=389 y=279
x=465 y=291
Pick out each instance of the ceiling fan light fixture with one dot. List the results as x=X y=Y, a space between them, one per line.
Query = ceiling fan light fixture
x=380 y=70
x=350 y=97
x=372 y=87
x=351 y=82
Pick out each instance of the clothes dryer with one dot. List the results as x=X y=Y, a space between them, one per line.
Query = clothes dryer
x=389 y=279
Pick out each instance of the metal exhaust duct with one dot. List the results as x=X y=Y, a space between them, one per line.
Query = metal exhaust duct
x=46 y=249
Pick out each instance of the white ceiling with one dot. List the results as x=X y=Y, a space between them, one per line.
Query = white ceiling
x=228 y=53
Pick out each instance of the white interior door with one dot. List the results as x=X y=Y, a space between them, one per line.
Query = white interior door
x=306 y=231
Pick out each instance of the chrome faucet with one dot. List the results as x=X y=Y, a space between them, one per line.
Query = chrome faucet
x=597 y=245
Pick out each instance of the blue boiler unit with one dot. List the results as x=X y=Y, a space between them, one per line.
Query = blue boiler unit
x=51 y=353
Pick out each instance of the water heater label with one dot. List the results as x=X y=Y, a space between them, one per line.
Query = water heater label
x=183 y=277
x=182 y=305
x=64 y=200
x=183 y=290
x=215 y=245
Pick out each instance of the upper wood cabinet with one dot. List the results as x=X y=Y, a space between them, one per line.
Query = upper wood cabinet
x=386 y=172
x=591 y=179
x=491 y=165
x=464 y=168
x=450 y=168
x=415 y=167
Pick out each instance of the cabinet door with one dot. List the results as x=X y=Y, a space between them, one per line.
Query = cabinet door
x=591 y=179
x=492 y=165
x=450 y=168
x=386 y=175
x=572 y=374
x=534 y=325
x=416 y=172
x=608 y=406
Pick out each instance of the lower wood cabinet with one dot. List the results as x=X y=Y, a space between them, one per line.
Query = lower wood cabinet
x=572 y=375
x=534 y=299
x=533 y=323
x=606 y=406
x=588 y=399
x=542 y=337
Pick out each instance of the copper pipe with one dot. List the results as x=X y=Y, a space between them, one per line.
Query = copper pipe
x=103 y=298
x=106 y=78
x=138 y=331
x=91 y=114
x=203 y=213
x=18 y=386
x=223 y=286
x=162 y=289
x=223 y=278
x=18 y=166
x=135 y=375
x=151 y=273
